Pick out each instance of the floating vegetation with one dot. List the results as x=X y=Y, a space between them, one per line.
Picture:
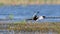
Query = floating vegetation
x=11 y=16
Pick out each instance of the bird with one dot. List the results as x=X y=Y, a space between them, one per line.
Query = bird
x=36 y=18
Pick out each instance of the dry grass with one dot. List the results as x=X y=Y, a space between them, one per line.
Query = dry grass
x=35 y=26
x=27 y=2
x=46 y=26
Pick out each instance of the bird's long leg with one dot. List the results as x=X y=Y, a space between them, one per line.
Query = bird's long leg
x=28 y=19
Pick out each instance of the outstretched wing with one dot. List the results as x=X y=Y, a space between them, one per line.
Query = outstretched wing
x=35 y=14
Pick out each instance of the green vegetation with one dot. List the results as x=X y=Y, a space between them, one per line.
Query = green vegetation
x=1 y=4
x=11 y=16
x=32 y=0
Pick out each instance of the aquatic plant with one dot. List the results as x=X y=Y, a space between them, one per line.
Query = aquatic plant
x=11 y=16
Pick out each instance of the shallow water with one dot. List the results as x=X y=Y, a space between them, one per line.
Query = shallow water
x=21 y=12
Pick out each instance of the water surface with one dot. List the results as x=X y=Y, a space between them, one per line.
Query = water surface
x=21 y=12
